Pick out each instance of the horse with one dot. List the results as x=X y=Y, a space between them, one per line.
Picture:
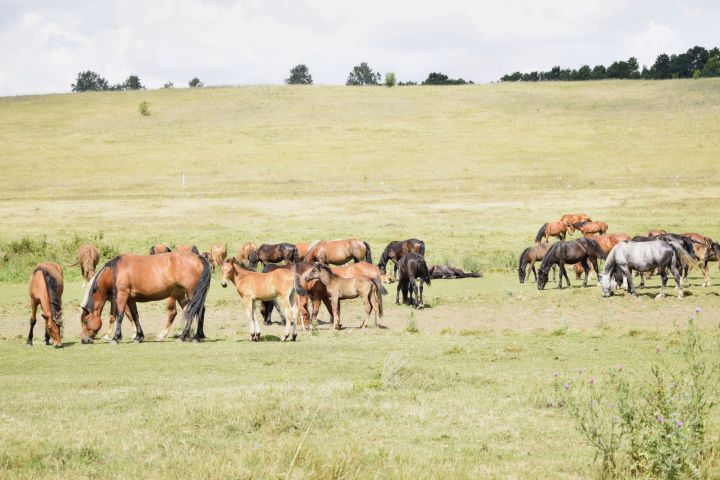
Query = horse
x=712 y=255
x=701 y=250
x=580 y=250
x=304 y=247
x=570 y=218
x=656 y=232
x=129 y=279
x=339 y=252
x=395 y=251
x=46 y=289
x=529 y=257
x=273 y=253
x=281 y=284
x=608 y=240
x=187 y=248
x=589 y=228
x=218 y=254
x=338 y=288
x=643 y=257
x=412 y=267
x=551 y=229
x=88 y=258
x=243 y=255
x=267 y=306
x=159 y=248
x=696 y=237
x=448 y=272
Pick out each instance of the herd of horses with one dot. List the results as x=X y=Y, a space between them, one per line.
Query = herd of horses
x=293 y=276
x=624 y=255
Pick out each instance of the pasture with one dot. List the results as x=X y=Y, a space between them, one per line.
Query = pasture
x=462 y=388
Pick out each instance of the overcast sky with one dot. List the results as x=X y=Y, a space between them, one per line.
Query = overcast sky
x=45 y=43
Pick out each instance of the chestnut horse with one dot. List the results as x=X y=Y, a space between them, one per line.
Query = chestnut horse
x=273 y=253
x=609 y=240
x=218 y=254
x=656 y=233
x=46 y=289
x=243 y=255
x=304 y=247
x=187 y=248
x=529 y=257
x=395 y=251
x=339 y=252
x=571 y=218
x=88 y=258
x=588 y=228
x=129 y=279
x=281 y=284
x=551 y=229
x=338 y=288
x=267 y=306
x=159 y=248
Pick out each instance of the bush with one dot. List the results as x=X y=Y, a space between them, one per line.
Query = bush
x=195 y=83
x=390 y=79
x=655 y=428
x=169 y=84
x=299 y=75
x=144 y=109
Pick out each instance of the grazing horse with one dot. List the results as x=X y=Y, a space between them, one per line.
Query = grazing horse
x=571 y=218
x=218 y=254
x=701 y=250
x=395 y=251
x=696 y=237
x=712 y=255
x=129 y=279
x=589 y=228
x=609 y=240
x=304 y=247
x=46 y=289
x=339 y=252
x=551 y=229
x=281 y=284
x=338 y=288
x=644 y=257
x=582 y=250
x=412 y=267
x=159 y=248
x=656 y=233
x=187 y=248
x=243 y=255
x=529 y=257
x=273 y=253
x=88 y=258
x=448 y=272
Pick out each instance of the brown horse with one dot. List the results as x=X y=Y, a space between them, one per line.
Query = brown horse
x=571 y=218
x=529 y=257
x=589 y=228
x=609 y=240
x=129 y=279
x=159 y=248
x=339 y=252
x=187 y=248
x=338 y=288
x=395 y=251
x=551 y=229
x=218 y=254
x=656 y=233
x=273 y=253
x=243 y=255
x=279 y=284
x=46 y=289
x=88 y=258
x=304 y=247
x=703 y=250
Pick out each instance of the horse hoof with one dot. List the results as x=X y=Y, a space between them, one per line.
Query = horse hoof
x=59 y=345
x=29 y=344
x=106 y=337
x=113 y=342
x=138 y=340
x=294 y=337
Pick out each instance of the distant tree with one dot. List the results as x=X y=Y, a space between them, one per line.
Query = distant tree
x=681 y=65
x=699 y=56
x=406 y=84
x=436 y=78
x=133 y=83
x=363 y=75
x=661 y=68
x=299 y=75
x=195 y=83
x=89 y=81
x=584 y=73
x=169 y=84
x=712 y=67
x=599 y=72
x=390 y=79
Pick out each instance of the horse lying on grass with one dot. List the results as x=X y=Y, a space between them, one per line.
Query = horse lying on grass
x=447 y=272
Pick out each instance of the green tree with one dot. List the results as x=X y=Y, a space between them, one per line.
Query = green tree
x=390 y=79
x=712 y=67
x=89 y=81
x=299 y=75
x=363 y=75
x=661 y=68
x=584 y=73
x=599 y=72
x=195 y=83
x=133 y=83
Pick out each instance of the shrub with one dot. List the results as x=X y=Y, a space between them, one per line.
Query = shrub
x=470 y=264
x=411 y=326
x=144 y=109
x=299 y=75
x=390 y=79
x=89 y=81
x=195 y=83
x=169 y=84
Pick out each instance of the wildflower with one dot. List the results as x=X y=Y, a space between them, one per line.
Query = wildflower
x=566 y=386
x=620 y=367
x=698 y=310
x=592 y=381
x=661 y=419
x=556 y=374
x=680 y=423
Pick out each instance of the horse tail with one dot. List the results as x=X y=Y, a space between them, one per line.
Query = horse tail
x=522 y=264
x=368 y=255
x=195 y=250
x=683 y=256
x=52 y=290
x=197 y=300
x=298 y=286
x=379 y=284
x=379 y=292
x=423 y=272
x=541 y=233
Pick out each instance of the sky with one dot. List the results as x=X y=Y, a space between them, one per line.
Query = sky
x=45 y=43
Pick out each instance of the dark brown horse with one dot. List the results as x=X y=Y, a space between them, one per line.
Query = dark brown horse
x=273 y=253
x=395 y=251
x=88 y=258
x=46 y=289
x=529 y=257
x=129 y=279
x=339 y=252
x=551 y=229
x=412 y=267
x=583 y=250
x=448 y=272
x=159 y=248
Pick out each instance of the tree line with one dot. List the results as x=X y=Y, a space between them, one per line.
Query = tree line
x=90 y=81
x=697 y=62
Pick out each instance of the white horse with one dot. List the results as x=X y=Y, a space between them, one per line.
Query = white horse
x=644 y=257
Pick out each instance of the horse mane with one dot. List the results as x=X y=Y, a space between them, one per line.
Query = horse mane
x=593 y=247
x=312 y=247
x=368 y=254
x=522 y=264
x=549 y=259
x=579 y=224
x=385 y=257
x=540 y=233
x=422 y=247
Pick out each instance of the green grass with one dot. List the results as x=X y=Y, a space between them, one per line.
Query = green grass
x=459 y=389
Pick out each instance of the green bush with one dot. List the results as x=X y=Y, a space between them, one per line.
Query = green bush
x=144 y=109
x=390 y=79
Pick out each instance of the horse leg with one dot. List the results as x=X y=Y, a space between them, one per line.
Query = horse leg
x=250 y=313
x=33 y=321
x=374 y=294
x=397 y=293
x=422 y=303
x=561 y=266
x=200 y=333
x=586 y=268
x=286 y=306
x=336 y=312
x=368 y=309
x=642 y=279
x=531 y=268
x=121 y=303
x=706 y=276
x=139 y=335
x=628 y=277
x=172 y=313
x=678 y=279
x=663 y=281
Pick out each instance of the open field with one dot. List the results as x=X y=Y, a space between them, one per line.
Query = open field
x=473 y=171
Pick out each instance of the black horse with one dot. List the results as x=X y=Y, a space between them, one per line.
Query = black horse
x=411 y=267
x=582 y=250
x=445 y=272
x=273 y=253
x=397 y=249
